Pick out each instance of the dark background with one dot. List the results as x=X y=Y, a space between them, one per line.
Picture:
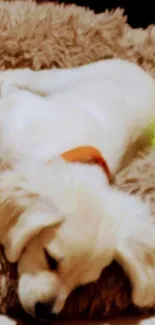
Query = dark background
x=140 y=13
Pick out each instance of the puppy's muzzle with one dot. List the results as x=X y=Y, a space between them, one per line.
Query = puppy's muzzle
x=43 y=311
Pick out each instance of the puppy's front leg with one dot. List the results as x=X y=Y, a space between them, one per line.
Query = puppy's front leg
x=135 y=248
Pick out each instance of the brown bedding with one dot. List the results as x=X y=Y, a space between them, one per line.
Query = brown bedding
x=50 y=35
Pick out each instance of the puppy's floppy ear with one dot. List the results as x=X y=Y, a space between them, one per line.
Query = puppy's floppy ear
x=135 y=252
x=28 y=225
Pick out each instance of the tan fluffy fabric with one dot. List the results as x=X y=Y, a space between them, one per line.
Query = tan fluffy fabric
x=46 y=36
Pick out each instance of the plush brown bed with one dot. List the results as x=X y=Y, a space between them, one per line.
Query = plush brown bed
x=48 y=35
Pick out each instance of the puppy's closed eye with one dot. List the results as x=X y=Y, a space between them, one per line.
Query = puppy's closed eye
x=51 y=261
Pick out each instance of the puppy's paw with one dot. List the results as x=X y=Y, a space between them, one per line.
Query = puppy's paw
x=5 y=320
x=6 y=88
x=147 y=321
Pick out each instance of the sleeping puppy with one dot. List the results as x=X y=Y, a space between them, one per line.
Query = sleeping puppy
x=61 y=220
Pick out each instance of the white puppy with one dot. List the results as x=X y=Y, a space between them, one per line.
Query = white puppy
x=62 y=221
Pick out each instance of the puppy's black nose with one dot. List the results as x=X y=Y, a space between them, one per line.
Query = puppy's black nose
x=43 y=311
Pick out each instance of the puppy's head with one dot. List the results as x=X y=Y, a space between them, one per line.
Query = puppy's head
x=62 y=237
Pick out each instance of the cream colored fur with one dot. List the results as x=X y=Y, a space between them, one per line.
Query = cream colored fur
x=7 y=321
x=70 y=209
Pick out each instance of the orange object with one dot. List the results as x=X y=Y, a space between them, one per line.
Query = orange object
x=87 y=154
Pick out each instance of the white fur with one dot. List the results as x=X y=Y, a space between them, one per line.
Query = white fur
x=70 y=209
x=5 y=320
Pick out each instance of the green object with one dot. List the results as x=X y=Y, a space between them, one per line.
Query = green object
x=153 y=139
x=150 y=132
